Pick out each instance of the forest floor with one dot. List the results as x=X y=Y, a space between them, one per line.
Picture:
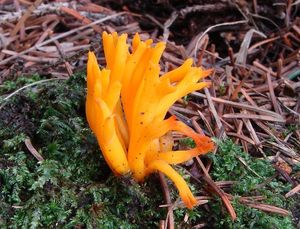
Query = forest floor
x=52 y=173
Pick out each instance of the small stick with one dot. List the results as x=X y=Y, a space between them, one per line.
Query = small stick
x=262 y=67
x=288 y=12
x=231 y=56
x=47 y=32
x=196 y=126
x=32 y=150
x=279 y=67
x=255 y=6
x=238 y=105
x=81 y=18
x=293 y=191
x=272 y=94
x=31 y=58
x=24 y=87
x=206 y=123
x=267 y=208
x=242 y=137
x=62 y=53
x=253 y=116
x=25 y=17
x=251 y=130
x=166 y=191
x=22 y=28
x=201 y=54
x=167 y=25
x=262 y=43
x=239 y=130
x=213 y=109
x=217 y=190
x=213 y=27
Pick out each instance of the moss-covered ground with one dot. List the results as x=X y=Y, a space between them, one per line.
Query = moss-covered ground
x=73 y=187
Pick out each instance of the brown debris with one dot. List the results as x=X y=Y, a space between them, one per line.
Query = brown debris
x=45 y=48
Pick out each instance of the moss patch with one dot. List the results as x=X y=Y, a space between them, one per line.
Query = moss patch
x=72 y=187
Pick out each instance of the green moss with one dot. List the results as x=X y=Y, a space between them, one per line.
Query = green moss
x=73 y=185
x=251 y=180
x=187 y=142
x=254 y=180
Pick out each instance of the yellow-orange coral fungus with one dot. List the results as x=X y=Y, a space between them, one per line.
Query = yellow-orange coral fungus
x=126 y=107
